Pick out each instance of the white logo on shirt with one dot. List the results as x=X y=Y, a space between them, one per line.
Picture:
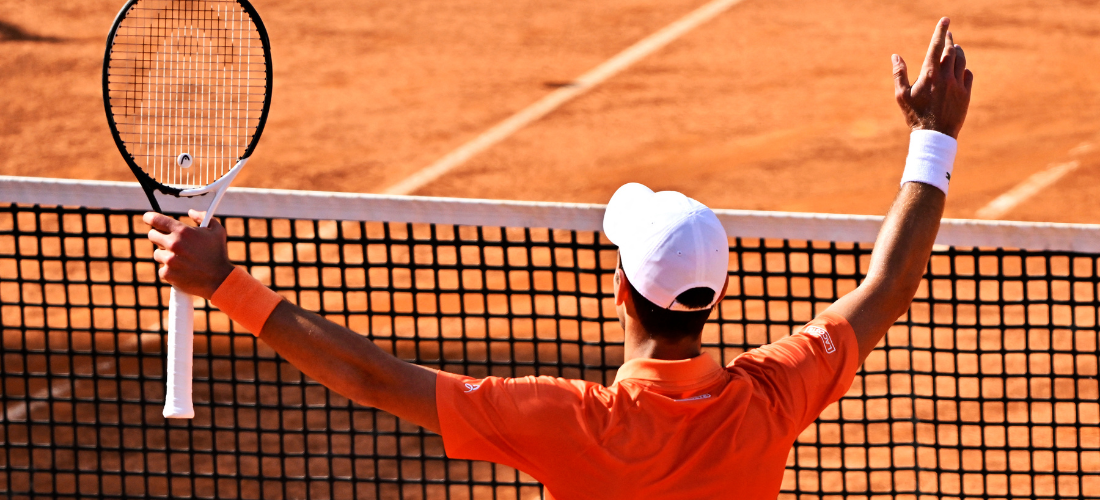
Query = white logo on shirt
x=822 y=334
x=693 y=398
x=471 y=388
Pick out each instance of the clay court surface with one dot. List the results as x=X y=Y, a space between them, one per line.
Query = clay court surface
x=774 y=104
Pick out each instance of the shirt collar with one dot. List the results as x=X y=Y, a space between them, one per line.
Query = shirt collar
x=664 y=370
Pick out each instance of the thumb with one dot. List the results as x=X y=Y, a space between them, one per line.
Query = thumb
x=196 y=215
x=199 y=216
x=216 y=225
x=901 y=78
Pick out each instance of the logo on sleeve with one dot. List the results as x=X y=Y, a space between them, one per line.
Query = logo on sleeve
x=693 y=398
x=471 y=387
x=822 y=334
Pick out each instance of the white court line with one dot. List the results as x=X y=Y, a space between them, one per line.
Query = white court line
x=19 y=411
x=555 y=99
x=1029 y=187
x=1084 y=147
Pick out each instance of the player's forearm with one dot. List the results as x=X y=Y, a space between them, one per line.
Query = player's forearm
x=350 y=364
x=898 y=261
x=904 y=245
x=334 y=356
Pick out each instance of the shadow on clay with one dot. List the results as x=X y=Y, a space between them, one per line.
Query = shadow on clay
x=12 y=33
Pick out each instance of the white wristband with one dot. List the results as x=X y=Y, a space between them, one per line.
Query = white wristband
x=931 y=159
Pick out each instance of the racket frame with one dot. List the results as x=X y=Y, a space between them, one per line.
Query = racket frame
x=148 y=184
x=178 y=397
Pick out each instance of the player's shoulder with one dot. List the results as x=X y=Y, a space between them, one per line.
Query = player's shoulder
x=831 y=332
x=542 y=386
x=801 y=370
x=826 y=334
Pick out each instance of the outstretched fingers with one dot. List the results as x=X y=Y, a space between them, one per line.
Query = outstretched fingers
x=936 y=47
x=901 y=78
x=948 y=58
x=939 y=95
x=960 y=64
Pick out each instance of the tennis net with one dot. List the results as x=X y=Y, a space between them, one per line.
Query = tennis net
x=987 y=388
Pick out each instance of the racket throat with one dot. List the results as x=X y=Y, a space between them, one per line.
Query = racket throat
x=219 y=188
x=150 y=189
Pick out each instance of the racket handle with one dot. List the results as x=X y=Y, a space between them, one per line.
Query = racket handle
x=181 y=347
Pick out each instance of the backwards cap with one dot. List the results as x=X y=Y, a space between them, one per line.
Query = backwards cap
x=668 y=243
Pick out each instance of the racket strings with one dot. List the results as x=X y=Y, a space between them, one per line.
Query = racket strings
x=187 y=77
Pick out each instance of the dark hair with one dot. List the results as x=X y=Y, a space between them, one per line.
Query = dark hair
x=668 y=324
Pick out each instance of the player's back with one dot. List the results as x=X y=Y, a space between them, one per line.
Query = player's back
x=665 y=429
x=681 y=439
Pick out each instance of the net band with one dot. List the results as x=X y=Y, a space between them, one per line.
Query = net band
x=289 y=204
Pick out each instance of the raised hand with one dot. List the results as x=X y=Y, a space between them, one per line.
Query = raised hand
x=941 y=95
x=194 y=260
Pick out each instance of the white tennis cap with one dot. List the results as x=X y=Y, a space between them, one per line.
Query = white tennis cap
x=668 y=243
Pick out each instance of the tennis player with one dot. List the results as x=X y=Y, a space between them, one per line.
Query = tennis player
x=674 y=424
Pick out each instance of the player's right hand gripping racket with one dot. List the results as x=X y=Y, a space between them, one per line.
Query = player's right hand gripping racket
x=187 y=87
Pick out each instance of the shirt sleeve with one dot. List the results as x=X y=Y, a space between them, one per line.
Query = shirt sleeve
x=805 y=372
x=519 y=422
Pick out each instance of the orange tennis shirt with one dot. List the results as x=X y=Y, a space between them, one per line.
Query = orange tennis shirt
x=664 y=429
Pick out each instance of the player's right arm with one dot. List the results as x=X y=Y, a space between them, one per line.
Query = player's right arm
x=352 y=365
x=196 y=261
x=937 y=101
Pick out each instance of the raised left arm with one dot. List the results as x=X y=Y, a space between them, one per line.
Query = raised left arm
x=937 y=102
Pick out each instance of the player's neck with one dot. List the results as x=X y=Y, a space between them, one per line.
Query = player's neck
x=639 y=344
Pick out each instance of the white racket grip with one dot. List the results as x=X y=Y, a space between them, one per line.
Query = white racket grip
x=181 y=347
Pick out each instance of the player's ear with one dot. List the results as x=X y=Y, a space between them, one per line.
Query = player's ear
x=622 y=292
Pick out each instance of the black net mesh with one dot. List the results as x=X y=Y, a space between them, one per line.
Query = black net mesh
x=986 y=389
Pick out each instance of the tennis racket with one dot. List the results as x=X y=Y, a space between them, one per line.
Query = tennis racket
x=187 y=87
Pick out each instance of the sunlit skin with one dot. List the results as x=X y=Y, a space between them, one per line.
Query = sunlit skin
x=637 y=342
x=196 y=261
